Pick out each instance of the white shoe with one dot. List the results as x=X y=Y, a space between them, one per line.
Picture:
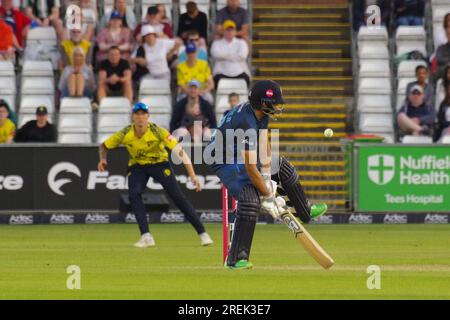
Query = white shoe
x=145 y=241
x=205 y=239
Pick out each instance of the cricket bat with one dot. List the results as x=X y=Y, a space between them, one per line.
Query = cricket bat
x=307 y=241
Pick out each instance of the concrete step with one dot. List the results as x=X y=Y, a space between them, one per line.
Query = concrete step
x=295 y=62
x=301 y=44
x=275 y=34
x=299 y=17
x=300 y=9
x=302 y=71
x=344 y=27
x=300 y=126
x=310 y=117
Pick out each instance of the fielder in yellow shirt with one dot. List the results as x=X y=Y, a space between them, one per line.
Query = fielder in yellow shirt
x=147 y=146
x=7 y=127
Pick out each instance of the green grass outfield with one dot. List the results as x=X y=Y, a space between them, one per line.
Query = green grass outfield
x=414 y=262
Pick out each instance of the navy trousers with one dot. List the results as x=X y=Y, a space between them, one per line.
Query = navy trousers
x=164 y=174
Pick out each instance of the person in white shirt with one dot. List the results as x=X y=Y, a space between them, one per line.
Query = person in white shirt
x=230 y=55
x=153 y=54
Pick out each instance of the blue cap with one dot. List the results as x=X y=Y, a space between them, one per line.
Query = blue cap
x=190 y=47
x=140 y=106
x=116 y=15
x=194 y=82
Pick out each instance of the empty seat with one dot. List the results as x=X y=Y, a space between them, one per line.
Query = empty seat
x=103 y=136
x=154 y=87
x=38 y=86
x=161 y=119
x=115 y=105
x=405 y=47
x=374 y=69
x=42 y=45
x=446 y=139
x=374 y=103
x=227 y=86
x=374 y=86
x=74 y=138
x=75 y=123
x=407 y=68
x=373 y=51
x=416 y=139
x=409 y=39
x=439 y=12
x=7 y=69
x=158 y=104
x=37 y=69
x=379 y=35
x=75 y=105
x=112 y=122
x=29 y=104
x=377 y=123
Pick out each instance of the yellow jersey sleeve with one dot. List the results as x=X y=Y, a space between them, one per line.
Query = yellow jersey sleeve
x=168 y=140
x=116 y=139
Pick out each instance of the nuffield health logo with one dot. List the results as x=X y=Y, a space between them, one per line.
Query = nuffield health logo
x=381 y=168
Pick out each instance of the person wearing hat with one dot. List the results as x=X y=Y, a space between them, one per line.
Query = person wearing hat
x=240 y=154
x=422 y=74
x=7 y=127
x=233 y=11
x=39 y=130
x=154 y=19
x=194 y=69
x=230 y=55
x=193 y=116
x=128 y=16
x=151 y=57
x=147 y=146
x=114 y=35
x=415 y=116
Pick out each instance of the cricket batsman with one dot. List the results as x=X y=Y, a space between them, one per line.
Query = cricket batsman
x=249 y=179
x=147 y=146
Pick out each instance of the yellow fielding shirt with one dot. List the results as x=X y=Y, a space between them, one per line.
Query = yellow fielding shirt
x=200 y=72
x=149 y=149
x=7 y=130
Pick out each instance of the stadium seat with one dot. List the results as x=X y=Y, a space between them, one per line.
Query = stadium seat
x=377 y=123
x=446 y=140
x=75 y=105
x=407 y=68
x=374 y=86
x=112 y=122
x=8 y=91
x=409 y=39
x=374 y=103
x=402 y=85
x=74 y=138
x=378 y=35
x=115 y=105
x=158 y=104
x=374 y=69
x=7 y=69
x=38 y=86
x=154 y=87
x=28 y=104
x=439 y=11
x=37 y=69
x=227 y=86
x=75 y=123
x=368 y=51
x=42 y=45
x=409 y=139
x=161 y=119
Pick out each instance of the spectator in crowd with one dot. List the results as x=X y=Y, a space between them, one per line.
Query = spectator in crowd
x=162 y=13
x=115 y=77
x=114 y=35
x=68 y=46
x=230 y=55
x=440 y=90
x=7 y=127
x=409 y=12
x=360 y=13
x=7 y=51
x=88 y=18
x=442 y=56
x=234 y=12
x=233 y=101
x=193 y=19
x=154 y=18
x=128 y=17
x=422 y=74
x=193 y=115
x=443 y=116
x=194 y=69
x=415 y=117
x=151 y=57
x=44 y=13
x=193 y=36
x=18 y=21
x=440 y=37
x=11 y=113
x=77 y=80
x=39 y=130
